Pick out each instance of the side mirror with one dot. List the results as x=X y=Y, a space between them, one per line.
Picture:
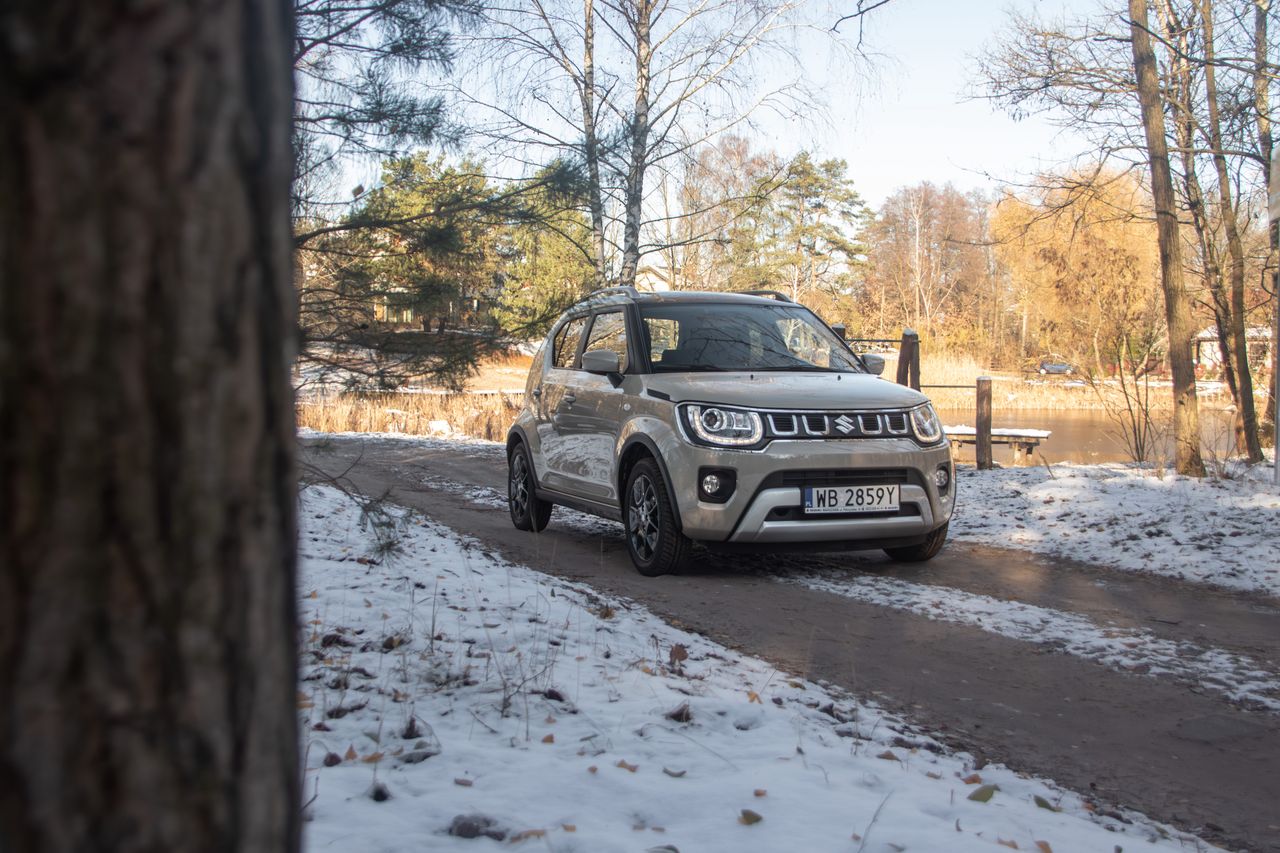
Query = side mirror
x=839 y=329
x=874 y=363
x=601 y=361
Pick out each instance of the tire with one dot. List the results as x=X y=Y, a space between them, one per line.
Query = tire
x=926 y=550
x=655 y=543
x=528 y=511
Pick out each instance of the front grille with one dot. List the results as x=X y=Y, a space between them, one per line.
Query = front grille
x=783 y=424
x=837 y=424
x=822 y=477
x=795 y=513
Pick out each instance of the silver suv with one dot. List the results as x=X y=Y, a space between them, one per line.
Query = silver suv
x=737 y=421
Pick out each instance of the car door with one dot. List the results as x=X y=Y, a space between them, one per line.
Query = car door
x=590 y=413
x=553 y=403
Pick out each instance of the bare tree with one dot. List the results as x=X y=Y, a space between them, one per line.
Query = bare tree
x=147 y=602
x=630 y=87
x=1186 y=415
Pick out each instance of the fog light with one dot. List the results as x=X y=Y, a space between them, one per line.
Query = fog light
x=716 y=485
x=942 y=478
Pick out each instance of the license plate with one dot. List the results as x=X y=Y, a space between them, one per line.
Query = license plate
x=850 y=499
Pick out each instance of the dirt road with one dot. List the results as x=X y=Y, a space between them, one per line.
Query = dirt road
x=1165 y=746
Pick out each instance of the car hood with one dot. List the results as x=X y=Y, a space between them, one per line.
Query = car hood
x=773 y=390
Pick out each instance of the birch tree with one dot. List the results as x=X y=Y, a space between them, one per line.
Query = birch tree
x=630 y=88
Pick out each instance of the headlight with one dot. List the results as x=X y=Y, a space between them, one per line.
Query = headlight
x=724 y=427
x=925 y=424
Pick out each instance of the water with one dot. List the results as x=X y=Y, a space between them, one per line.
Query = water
x=1088 y=436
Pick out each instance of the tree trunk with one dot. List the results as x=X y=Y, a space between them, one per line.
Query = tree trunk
x=639 y=144
x=591 y=141
x=1186 y=417
x=1246 y=412
x=1263 y=70
x=147 y=484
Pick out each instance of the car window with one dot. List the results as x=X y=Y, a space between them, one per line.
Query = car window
x=663 y=334
x=742 y=336
x=565 y=352
x=609 y=332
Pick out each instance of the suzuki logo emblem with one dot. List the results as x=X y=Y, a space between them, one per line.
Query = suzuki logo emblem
x=845 y=424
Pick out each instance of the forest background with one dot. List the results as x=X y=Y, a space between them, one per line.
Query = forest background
x=529 y=155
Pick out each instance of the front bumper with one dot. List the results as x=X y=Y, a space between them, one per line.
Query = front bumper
x=766 y=506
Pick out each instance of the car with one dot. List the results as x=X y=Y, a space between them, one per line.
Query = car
x=738 y=421
x=1057 y=368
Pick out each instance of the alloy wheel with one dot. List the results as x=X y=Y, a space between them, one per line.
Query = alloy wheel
x=642 y=517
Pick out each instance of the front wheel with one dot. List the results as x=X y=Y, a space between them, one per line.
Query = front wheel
x=926 y=550
x=656 y=545
x=528 y=511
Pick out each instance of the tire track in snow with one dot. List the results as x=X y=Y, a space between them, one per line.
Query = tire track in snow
x=1240 y=678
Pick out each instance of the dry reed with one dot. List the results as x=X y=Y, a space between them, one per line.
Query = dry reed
x=487 y=416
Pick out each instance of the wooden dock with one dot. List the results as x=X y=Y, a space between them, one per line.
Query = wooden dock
x=1023 y=441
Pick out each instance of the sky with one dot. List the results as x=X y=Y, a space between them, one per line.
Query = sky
x=914 y=121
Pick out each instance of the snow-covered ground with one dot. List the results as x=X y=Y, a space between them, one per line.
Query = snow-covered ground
x=1223 y=531
x=443 y=688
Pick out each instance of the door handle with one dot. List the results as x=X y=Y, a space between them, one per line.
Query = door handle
x=569 y=399
x=537 y=393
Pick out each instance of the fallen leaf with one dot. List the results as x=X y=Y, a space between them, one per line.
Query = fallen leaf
x=314 y=594
x=527 y=834
x=351 y=755
x=466 y=783
x=569 y=827
x=549 y=739
x=760 y=792
x=372 y=757
x=592 y=769
x=753 y=696
x=749 y=817
x=888 y=755
x=972 y=779
x=632 y=768
x=674 y=774
x=1045 y=804
x=984 y=794
x=549 y=720
x=677 y=654
x=1012 y=845
x=1043 y=847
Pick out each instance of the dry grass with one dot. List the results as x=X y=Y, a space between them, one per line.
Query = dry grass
x=1016 y=391
x=487 y=416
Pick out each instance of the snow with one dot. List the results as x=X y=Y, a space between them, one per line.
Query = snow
x=550 y=711
x=1219 y=530
x=1017 y=433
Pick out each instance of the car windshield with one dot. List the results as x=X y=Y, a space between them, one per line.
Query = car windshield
x=727 y=336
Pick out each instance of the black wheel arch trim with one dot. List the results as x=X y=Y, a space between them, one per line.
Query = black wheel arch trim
x=652 y=448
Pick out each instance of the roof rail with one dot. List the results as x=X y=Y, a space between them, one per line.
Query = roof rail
x=773 y=294
x=625 y=289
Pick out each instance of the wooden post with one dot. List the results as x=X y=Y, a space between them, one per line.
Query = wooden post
x=909 y=360
x=983 y=437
